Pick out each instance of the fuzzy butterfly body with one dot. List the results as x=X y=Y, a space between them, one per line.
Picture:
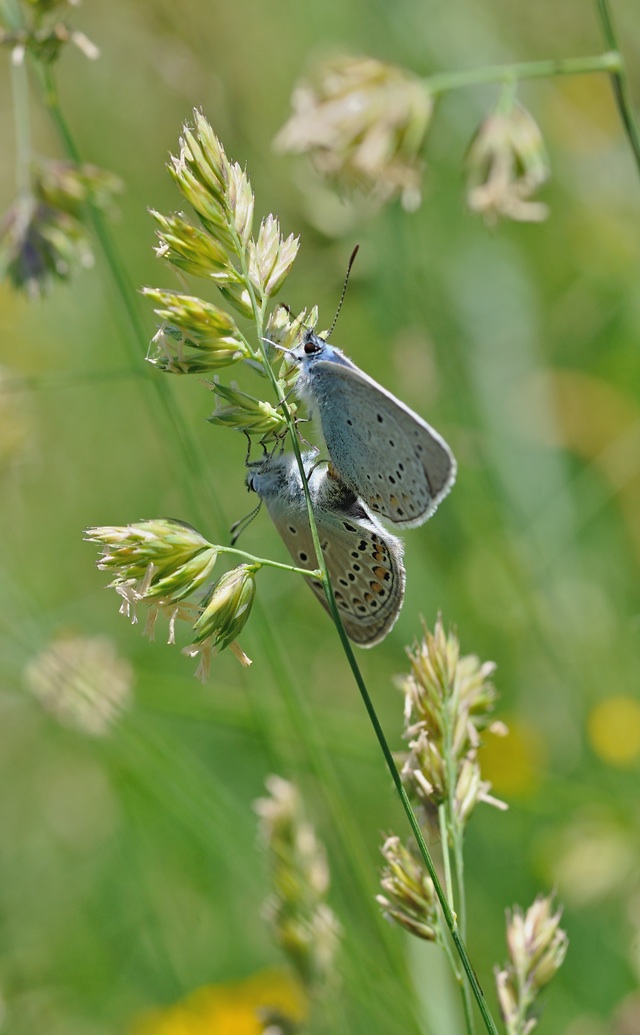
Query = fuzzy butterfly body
x=363 y=559
x=383 y=451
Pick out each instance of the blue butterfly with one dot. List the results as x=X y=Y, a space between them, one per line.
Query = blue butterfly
x=384 y=452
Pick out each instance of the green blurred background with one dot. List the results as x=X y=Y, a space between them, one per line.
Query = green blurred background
x=129 y=868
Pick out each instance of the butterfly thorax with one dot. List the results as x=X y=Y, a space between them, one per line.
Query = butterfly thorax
x=313 y=354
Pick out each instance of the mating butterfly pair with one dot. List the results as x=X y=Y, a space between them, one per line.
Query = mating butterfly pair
x=385 y=460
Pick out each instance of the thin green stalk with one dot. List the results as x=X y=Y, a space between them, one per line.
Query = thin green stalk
x=266 y=563
x=446 y=858
x=443 y=81
x=453 y=831
x=444 y=840
x=619 y=81
x=458 y=860
x=463 y=985
x=452 y=824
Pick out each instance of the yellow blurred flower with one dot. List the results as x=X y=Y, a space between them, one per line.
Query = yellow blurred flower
x=613 y=727
x=513 y=764
x=227 y=1009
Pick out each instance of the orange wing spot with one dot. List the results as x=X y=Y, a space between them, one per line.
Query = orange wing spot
x=381 y=573
x=393 y=500
x=368 y=599
x=378 y=555
x=376 y=587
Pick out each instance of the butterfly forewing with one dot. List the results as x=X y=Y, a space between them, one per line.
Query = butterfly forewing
x=389 y=456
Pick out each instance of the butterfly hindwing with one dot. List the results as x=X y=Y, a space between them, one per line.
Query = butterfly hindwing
x=363 y=560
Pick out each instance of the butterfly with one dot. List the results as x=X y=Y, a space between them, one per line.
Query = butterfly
x=363 y=559
x=384 y=452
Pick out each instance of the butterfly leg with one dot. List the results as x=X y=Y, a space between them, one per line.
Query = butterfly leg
x=246 y=459
x=315 y=449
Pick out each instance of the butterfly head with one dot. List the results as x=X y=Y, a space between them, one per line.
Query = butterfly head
x=278 y=476
x=311 y=348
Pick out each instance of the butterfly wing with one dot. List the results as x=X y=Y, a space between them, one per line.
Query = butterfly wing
x=365 y=568
x=399 y=465
x=364 y=561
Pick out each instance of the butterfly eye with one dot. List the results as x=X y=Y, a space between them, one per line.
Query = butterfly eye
x=310 y=348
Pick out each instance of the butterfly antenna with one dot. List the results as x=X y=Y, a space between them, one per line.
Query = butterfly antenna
x=344 y=291
x=298 y=319
x=238 y=527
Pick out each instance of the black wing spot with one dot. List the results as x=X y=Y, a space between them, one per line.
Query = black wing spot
x=392 y=479
x=354 y=553
x=368 y=477
x=362 y=545
x=349 y=528
x=323 y=546
x=392 y=443
x=401 y=467
x=400 y=511
x=356 y=567
x=343 y=582
x=351 y=577
x=302 y=556
x=350 y=423
x=294 y=531
x=361 y=608
x=380 y=418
